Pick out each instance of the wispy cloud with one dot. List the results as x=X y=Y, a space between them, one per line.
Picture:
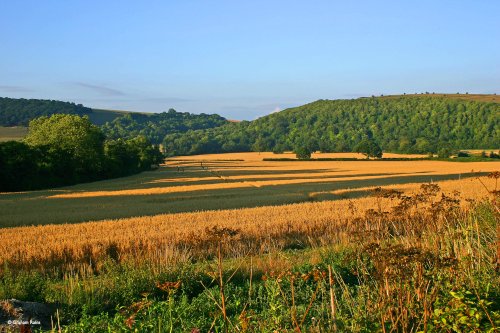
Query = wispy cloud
x=14 y=89
x=100 y=89
x=167 y=100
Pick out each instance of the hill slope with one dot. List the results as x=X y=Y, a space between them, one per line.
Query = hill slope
x=115 y=124
x=406 y=124
x=155 y=126
x=18 y=112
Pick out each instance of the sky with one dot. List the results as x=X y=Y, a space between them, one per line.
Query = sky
x=244 y=59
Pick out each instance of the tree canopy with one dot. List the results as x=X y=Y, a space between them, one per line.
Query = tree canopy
x=406 y=124
x=72 y=135
x=67 y=149
x=369 y=147
x=156 y=126
x=19 y=112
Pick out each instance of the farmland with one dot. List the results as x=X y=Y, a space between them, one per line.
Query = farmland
x=296 y=245
x=12 y=133
x=223 y=181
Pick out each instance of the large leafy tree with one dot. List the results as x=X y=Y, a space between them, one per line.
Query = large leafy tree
x=18 y=165
x=369 y=147
x=303 y=152
x=71 y=136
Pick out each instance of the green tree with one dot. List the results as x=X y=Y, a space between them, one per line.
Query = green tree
x=18 y=165
x=445 y=152
x=303 y=152
x=80 y=140
x=147 y=154
x=370 y=148
x=259 y=145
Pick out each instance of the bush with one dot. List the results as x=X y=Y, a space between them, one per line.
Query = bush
x=444 y=152
x=494 y=155
x=303 y=153
x=370 y=148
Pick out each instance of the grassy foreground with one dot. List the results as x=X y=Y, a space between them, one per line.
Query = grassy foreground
x=421 y=261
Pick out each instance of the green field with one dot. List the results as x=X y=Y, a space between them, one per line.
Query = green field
x=12 y=133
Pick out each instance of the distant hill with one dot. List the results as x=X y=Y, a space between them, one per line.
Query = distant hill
x=416 y=123
x=115 y=124
x=404 y=124
x=18 y=112
x=493 y=98
x=155 y=126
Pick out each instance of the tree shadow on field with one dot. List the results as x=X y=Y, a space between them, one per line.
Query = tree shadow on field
x=37 y=211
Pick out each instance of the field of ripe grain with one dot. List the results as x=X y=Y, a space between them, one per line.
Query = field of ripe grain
x=226 y=181
x=12 y=133
x=162 y=238
x=260 y=156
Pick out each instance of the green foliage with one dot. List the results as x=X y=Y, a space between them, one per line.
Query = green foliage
x=67 y=149
x=302 y=152
x=464 y=311
x=18 y=163
x=115 y=124
x=369 y=147
x=156 y=125
x=445 y=152
x=76 y=136
x=23 y=285
x=375 y=287
x=19 y=112
x=406 y=124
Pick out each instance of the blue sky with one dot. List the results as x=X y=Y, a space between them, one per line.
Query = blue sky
x=244 y=59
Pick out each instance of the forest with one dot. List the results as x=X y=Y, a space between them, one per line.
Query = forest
x=68 y=149
x=405 y=124
x=19 y=112
x=156 y=126
x=401 y=124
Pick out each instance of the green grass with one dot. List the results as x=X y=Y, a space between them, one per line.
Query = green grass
x=100 y=116
x=375 y=286
x=12 y=133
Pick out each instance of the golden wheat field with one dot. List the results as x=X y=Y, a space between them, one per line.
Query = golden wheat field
x=319 y=200
x=224 y=181
x=155 y=237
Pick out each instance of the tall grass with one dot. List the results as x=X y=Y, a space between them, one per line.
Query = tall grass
x=422 y=261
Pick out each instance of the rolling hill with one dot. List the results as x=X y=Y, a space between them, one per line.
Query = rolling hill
x=413 y=123
x=404 y=123
x=15 y=115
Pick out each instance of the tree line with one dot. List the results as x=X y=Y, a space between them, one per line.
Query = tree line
x=406 y=124
x=67 y=149
x=156 y=126
x=19 y=112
